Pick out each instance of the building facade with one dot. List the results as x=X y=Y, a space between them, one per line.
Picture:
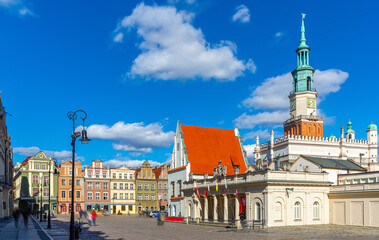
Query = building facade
x=303 y=131
x=146 y=188
x=123 y=190
x=197 y=151
x=65 y=186
x=32 y=183
x=161 y=176
x=97 y=187
x=6 y=168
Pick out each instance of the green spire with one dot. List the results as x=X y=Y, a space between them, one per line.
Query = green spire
x=302 y=39
x=350 y=127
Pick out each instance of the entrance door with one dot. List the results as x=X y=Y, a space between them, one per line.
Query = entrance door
x=114 y=209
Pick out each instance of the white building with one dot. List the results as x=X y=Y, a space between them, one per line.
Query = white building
x=196 y=153
x=303 y=131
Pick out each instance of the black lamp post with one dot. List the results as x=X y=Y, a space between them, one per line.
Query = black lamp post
x=40 y=213
x=73 y=116
x=49 y=216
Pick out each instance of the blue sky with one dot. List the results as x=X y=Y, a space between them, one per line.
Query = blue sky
x=137 y=68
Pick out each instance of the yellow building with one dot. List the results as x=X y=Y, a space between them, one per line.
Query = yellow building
x=123 y=190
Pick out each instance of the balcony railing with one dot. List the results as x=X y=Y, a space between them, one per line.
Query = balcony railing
x=311 y=90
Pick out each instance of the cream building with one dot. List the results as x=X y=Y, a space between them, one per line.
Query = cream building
x=123 y=190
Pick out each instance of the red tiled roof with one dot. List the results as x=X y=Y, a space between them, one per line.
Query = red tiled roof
x=174 y=198
x=176 y=169
x=206 y=146
x=157 y=171
x=25 y=162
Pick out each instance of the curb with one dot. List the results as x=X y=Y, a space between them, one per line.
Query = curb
x=48 y=235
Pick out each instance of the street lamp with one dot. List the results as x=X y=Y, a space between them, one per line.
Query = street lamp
x=55 y=172
x=73 y=116
x=41 y=192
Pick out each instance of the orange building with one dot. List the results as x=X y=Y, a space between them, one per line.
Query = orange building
x=65 y=187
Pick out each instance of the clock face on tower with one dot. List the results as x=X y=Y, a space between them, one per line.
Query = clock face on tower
x=311 y=103
x=292 y=105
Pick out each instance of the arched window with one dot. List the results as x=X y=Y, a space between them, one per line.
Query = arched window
x=257 y=211
x=308 y=83
x=297 y=211
x=278 y=211
x=316 y=210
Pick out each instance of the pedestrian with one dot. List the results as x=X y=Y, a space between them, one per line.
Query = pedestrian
x=94 y=216
x=89 y=218
x=81 y=213
x=16 y=216
x=25 y=214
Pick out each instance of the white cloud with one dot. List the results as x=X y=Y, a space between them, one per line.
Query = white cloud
x=133 y=137
x=129 y=163
x=273 y=92
x=32 y=151
x=278 y=34
x=242 y=14
x=118 y=37
x=274 y=118
x=263 y=134
x=16 y=6
x=173 y=49
x=250 y=151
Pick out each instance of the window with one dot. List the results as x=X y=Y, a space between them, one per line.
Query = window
x=130 y=176
x=123 y=208
x=180 y=188
x=152 y=197
x=146 y=197
x=105 y=185
x=97 y=185
x=121 y=196
x=120 y=176
x=69 y=194
x=37 y=166
x=97 y=196
x=139 y=197
x=297 y=211
x=131 y=196
x=152 y=186
x=77 y=194
x=77 y=182
x=126 y=186
x=114 y=175
x=45 y=192
x=278 y=211
x=35 y=191
x=89 y=195
x=139 y=186
x=46 y=179
x=121 y=186
x=130 y=208
x=315 y=210
x=70 y=173
x=126 y=196
x=114 y=185
x=146 y=186
x=105 y=195
x=89 y=185
x=257 y=211
x=43 y=166
x=97 y=175
x=131 y=186
x=114 y=195
x=125 y=176
x=165 y=197
x=160 y=186
x=104 y=175
x=165 y=186
x=173 y=189
x=35 y=179
x=89 y=174
x=160 y=196
x=70 y=182
x=63 y=194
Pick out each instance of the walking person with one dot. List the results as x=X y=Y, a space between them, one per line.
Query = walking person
x=94 y=216
x=89 y=218
x=16 y=216
x=25 y=214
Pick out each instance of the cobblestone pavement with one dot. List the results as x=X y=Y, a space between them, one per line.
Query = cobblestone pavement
x=141 y=228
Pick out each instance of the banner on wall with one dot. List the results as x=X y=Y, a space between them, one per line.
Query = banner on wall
x=242 y=204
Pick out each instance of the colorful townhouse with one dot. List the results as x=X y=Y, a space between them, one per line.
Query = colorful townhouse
x=66 y=185
x=146 y=190
x=32 y=183
x=123 y=190
x=161 y=177
x=97 y=182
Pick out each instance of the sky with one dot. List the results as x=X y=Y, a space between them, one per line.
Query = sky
x=137 y=68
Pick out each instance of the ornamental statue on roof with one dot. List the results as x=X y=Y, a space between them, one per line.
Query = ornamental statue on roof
x=219 y=171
